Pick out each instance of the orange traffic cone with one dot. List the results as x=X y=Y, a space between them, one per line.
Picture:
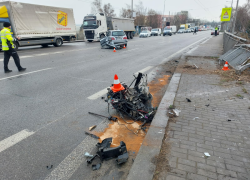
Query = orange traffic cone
x=114 y=50
x=117 y=85
x=124 y=47
x=225 y=68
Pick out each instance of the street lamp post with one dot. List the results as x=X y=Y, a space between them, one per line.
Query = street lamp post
x=234 y=22
x=163 y=15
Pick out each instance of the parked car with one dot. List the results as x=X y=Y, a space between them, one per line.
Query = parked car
x=145 y=33
x=192 y=29
x=156 y=32
x=188 y=31
x=169 y=30
x=180 y=31
x=118 y=37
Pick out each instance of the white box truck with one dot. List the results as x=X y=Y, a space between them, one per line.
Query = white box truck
x=96 y=26
x=38 y=24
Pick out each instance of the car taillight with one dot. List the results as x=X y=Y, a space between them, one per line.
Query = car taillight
x=125 y=37
x=113 y=38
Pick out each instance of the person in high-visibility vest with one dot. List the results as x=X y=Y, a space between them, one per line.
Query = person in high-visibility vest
x=216 y=29
x=8 y=48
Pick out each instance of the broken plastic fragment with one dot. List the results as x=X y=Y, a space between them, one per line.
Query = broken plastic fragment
x=196 y=118
x=92 y=127
x=96 y=166
x=88 y=155
x=207 y=154
x=177 y=112
x=188 y=100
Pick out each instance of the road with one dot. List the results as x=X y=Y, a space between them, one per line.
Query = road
x=44 y=110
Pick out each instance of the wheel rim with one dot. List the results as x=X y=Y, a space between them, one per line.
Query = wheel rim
x=59 y=42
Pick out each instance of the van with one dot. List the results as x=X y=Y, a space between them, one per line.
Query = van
x=169 y=30
x=156 y=32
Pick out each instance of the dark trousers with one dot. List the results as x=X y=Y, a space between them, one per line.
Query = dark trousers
x=7 y=55
x=215 y=33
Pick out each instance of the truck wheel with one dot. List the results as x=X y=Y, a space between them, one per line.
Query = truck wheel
x=90 y=40
x=131 y=35
x=72 y=39
x=15 y=45
x=102 y=36
x=58 y=42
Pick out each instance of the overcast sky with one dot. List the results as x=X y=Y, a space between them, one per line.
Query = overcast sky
x=199 y=9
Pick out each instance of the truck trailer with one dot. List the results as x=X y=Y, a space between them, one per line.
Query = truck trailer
x=96 y=26
x=38 y=24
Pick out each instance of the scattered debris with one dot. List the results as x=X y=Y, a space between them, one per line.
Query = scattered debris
x=196 y=66
x=229 y=120
x=133 y=102
x=105 y=152
x=207 y=154
x=107 y=42
x=177 y=112
x=196 y=118
x=207 y=105
x=92 y=127
x=92 y=135
x=88 y=155
x=188 y=100
x=96 y=166
x=89 y=161
x=109 y=118
x=49 y=167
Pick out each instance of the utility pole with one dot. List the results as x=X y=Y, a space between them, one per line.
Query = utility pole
x=235 y=17
x=132 y=8
x=163 y=15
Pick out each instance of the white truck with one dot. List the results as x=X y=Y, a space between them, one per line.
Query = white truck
x=37 y=24
x=96 y=26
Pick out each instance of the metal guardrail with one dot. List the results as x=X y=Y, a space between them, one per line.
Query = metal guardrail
x=236 y=53
x=237 y=58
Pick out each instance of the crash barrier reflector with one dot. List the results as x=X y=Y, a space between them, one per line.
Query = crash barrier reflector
x=237 y=57
x=225 y=68
x=117 y=85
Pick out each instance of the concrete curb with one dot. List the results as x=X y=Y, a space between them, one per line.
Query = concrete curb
x=144 y=165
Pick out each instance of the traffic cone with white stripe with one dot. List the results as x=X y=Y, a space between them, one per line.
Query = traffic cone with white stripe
x=124 y=47
x=114 y=50
x=117 y=85
x=225 y=68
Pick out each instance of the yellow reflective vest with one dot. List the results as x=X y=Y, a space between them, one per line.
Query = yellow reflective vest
x=6 y=36
x=216 y=28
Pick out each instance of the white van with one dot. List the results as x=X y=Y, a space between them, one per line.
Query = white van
x=156 y=32
x=169 y=30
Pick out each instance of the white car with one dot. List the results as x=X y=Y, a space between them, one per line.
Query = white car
x=145 y=33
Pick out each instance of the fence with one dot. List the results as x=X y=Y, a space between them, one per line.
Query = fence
x=236 y=53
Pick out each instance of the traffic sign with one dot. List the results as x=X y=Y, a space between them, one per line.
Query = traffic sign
x=226 y=14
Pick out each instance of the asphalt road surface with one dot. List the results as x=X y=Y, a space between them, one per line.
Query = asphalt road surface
x=44 y=110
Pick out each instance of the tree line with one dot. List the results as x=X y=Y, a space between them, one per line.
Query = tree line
x=144 y=16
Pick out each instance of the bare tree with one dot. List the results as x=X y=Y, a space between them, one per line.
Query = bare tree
x=109 y=10
x=153 y=19
x=141 y=13
x=126 y=12
x=96 y=7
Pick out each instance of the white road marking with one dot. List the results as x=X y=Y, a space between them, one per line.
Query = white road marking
x=205 y=41
x=130 y=50
x=25 y=74
x=14 y=139
x=98 y=94
x=144 y=70
x=173 y=55
x=189 y=52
